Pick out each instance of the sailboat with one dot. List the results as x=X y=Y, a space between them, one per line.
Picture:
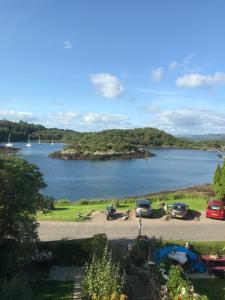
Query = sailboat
x=28 y=142
x=39 y=141
x=52 y=143
x=9 y=144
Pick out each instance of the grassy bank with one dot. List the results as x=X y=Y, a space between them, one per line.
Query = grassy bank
x=214 y=288
x=69 y=211
x=51 y=290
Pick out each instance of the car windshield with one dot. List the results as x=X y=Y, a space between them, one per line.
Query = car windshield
x=214 y=207
x=142 y=205
x=179 y=207
x=110 y=207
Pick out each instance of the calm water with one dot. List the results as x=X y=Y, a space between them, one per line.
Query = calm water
x=74 y=180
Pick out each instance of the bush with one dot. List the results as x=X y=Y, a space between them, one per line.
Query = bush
x=179 y=286
x=102 y=277
x=71 y=252
x=98 y=245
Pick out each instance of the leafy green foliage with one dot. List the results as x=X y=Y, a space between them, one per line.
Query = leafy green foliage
x=176 y=280
x=219 y=181
x=102 y=277
x=68 y=252
x=91 y=141
x=19 y=132
x=178 y=285
x=20 y=183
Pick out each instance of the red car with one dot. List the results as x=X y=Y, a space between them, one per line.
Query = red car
x=215 y=209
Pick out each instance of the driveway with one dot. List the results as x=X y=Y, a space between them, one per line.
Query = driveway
x=203 y=230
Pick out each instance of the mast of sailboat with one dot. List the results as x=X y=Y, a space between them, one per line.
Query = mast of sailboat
x=39 y=142
x=28 y=141
x=9 y=144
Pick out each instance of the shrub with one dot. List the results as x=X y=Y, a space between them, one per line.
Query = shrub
x=102 y=277
x=68 y=252
x=178 y=286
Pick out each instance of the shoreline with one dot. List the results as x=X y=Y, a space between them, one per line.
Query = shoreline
x=204 y=189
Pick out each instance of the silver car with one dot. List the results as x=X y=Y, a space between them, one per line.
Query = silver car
x=179 y=210
x=143 y=208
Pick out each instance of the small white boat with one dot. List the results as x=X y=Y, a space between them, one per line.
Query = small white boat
x=28 y=142
x=52 y=143
x=9 y=144
x=39 y=141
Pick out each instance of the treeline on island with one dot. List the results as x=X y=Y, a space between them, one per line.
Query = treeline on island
x=19 y=132
x=106 y=144
x=139 y=136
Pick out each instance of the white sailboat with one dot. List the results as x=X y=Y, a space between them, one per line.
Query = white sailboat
x=52 y=143
x=39 y=141
x=28 y=142
x=9 y=144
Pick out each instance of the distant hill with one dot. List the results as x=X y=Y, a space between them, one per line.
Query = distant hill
x=140 y=136
x=106 y=144
x=19 y=132
x=206 y=137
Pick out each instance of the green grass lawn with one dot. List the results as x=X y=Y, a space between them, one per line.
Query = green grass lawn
x=213 y=288
x=52 y=290
x=69 y=211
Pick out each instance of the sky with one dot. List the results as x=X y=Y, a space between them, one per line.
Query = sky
x=90 y=65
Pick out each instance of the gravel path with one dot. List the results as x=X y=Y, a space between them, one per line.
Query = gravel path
x=203 y=230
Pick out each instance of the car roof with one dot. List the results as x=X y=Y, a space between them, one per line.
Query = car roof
x=215 y=202
x=179 y=204
x=143 y=201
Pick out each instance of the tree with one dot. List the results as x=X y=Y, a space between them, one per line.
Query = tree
x=216 y=179
x=219 y=181
x=20 y=184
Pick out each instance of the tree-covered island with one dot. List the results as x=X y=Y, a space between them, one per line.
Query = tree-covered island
x=103 y=145
x=117 y=144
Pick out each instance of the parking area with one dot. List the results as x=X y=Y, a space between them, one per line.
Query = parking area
x=203 y=229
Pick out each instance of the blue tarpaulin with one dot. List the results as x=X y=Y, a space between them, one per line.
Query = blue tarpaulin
x=194 y=261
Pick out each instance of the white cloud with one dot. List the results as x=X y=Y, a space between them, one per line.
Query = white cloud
x=16 y=116
x=107 y=85
x=157 y=74
x=85 y=121
x=67 y=45
x=201 y=81
x=61 y=119
x=189 y=121
x=101 y=118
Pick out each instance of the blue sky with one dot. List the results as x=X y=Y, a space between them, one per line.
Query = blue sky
x=99 y=64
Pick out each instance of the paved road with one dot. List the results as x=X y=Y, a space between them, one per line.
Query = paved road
x=204 y=230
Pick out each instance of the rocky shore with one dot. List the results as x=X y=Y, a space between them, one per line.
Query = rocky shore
x=107 y=155
x=8 y=150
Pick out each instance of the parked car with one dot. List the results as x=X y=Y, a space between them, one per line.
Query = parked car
x=179 y=210
x=110 y=211
x=215 y=209
x=143 y=208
